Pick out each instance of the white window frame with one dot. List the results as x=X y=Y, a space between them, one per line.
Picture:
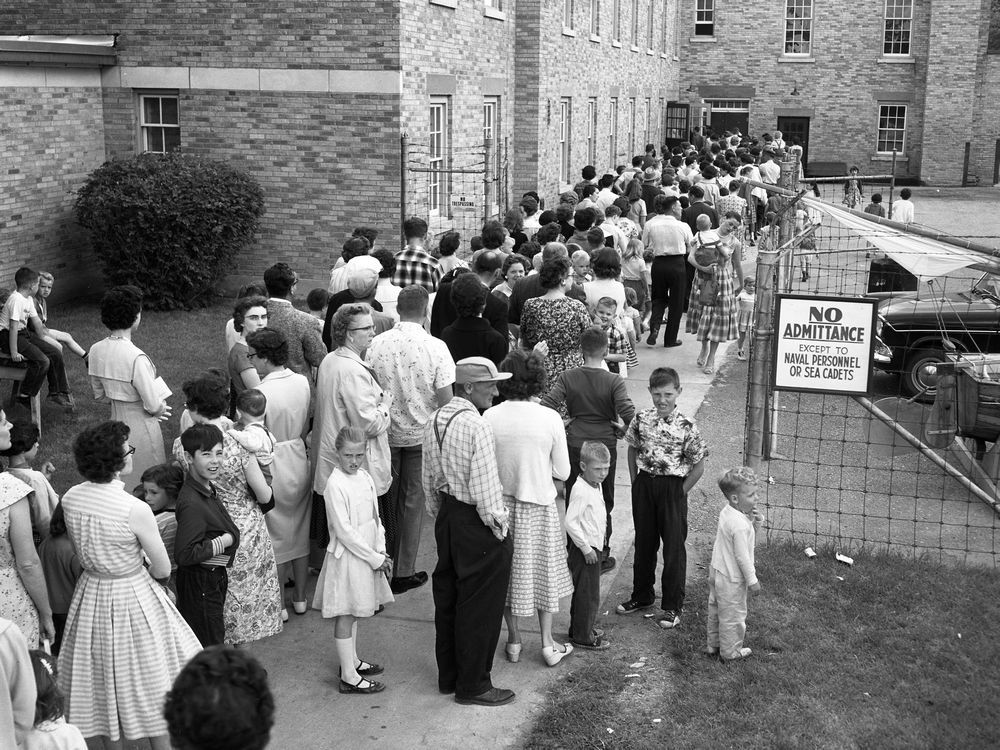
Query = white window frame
x=565 y=138
x=592 y=130
x=438 y=188
x=148 y=128
x=613 y=131
x=650 y=25
x=568 y=14
x=704 y=19
x=798 y=28
x=889 y=129
x=649 y=128
x=663 y=40
x=635 y=24
x=631 y=127
x=495 y=5
x=491 y=130
x=616 y=21
x=897 y=35
x=595 y=19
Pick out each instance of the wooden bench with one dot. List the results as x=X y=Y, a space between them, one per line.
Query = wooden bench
x=9 y=370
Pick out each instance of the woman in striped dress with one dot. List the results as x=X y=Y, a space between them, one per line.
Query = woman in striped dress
x=531 y=452
x=717 y=322
x=125 y=641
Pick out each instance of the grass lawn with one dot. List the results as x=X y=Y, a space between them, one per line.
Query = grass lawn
x=900 y=653
x=181 y=345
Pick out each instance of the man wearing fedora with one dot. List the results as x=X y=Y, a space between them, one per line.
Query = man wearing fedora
x=464 y=496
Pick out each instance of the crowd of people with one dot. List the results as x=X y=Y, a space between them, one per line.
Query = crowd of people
x=483 y=388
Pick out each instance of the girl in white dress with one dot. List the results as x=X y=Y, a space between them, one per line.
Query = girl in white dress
x=353 y=582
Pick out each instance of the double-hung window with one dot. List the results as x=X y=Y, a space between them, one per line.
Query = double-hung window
x=898 y=20
x=159 y=123
x=565 y=134
x=704 y=18
x=798 y=27
x=891 y=129
x=437 y=148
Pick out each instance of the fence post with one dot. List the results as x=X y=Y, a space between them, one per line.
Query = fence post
x=404 y=151
x=965 y=164
x=996 y=163
x=488 y=157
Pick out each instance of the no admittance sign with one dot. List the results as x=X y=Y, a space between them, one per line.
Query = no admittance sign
x=824 y=344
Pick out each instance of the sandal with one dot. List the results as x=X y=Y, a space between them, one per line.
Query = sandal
x=361 y=688
x=700 y=361
x=367 y=669
x=708 y=370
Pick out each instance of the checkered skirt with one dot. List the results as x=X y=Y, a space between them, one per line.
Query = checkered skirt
x=539 y=574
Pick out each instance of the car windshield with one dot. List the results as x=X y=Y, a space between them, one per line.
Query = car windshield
x=988 y=286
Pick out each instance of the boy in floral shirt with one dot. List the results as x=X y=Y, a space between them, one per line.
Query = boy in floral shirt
x=666 y=458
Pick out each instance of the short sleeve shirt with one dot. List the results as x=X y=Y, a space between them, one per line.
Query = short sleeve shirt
x=668 y=446
x=17 y=310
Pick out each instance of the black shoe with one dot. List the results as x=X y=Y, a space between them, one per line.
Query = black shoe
x=608 y=564
x=674 y=343
x=361 y=687
x=651 y=339
x=627 y=608
x=401 y=585
x=493 y=697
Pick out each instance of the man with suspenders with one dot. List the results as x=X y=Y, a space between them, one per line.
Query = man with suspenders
x=464 y=496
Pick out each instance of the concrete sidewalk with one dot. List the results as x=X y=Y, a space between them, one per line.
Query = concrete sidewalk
x=302 y=664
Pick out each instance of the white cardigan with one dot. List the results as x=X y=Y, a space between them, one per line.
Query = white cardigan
x=531 y=450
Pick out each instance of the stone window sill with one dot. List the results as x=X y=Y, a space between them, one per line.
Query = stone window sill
x=896 y=60
x=702 y=40
x=596 y=38
x=888 y=157
x=453 y=4
x=568 y=31
x=796 y=59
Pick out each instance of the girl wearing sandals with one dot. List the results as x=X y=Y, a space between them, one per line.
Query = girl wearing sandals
x=353 y=582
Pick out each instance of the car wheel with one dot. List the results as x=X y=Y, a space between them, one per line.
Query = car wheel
x=917 y=376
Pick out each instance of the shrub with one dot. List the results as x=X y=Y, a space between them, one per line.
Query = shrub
x=171 y=224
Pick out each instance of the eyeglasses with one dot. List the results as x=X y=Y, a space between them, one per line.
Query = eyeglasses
x=130 y=451
x=363 y=328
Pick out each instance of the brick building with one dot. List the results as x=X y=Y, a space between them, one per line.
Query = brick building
x=313 y=97
x=853 y=79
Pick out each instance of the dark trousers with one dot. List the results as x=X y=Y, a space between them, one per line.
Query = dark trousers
x=689 y=272
x=667 y=290
x=42 y=359
x=201 y=597
x=586 y=596
x=607 y=486
x=60 y=624
x=659 y=511
x=470 y=591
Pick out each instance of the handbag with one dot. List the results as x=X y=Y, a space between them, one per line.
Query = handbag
x=708 y=291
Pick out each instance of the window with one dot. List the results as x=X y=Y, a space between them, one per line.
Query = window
x=798 y=27
x=649 y=25
x=616 y=21
x=159 y=123
x=631 y=127
x=491 y=131
x=567 y=14
x=592 y=130
x=565 y=132
x=666 y=12
x=729 y=105
x=704 y=18
x=495 y=4
x=635 y=23
x=891 y=128
x=613 y=132
x=437 y=148
x=595 y=17
x=898 y=17
x=677 y=121
x=649 y=124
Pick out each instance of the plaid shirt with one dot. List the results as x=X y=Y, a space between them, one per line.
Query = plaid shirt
x=665 y=447
x=415 y=266
x=465 y=465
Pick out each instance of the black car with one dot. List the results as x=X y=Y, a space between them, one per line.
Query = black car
x=912 y=329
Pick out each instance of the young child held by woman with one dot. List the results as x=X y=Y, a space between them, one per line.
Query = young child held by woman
x=250 y=430
x=354 y=580
x=51 y=732
x=732 y=572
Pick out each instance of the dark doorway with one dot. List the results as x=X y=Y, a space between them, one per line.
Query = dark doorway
x=796 y=130
x=723 y=121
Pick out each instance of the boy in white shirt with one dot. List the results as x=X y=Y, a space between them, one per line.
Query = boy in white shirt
x=585 y=523
x=732 y=571
x=22 y=339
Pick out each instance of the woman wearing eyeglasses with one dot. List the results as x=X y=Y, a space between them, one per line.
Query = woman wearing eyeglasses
x=121 y=374
x=348 y=395
x=124 y=641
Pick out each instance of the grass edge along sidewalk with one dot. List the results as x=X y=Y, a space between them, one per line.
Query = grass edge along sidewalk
x=892 y=652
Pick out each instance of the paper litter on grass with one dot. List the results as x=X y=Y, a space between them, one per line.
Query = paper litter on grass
x=845 y=559
x=637 y=664
x=636 y=674
x=810 y=552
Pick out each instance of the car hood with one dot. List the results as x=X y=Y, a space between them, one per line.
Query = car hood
x=906 y=310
